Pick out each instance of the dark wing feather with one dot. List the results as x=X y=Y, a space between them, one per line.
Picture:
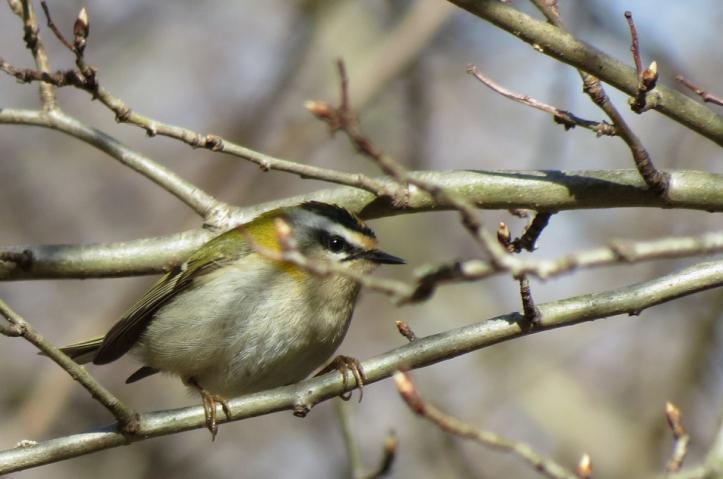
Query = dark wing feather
x=141 y=373
x=218 y=252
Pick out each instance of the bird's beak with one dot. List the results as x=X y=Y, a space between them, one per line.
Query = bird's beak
x=381 y=257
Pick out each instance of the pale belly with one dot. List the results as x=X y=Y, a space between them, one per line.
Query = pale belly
x=244 y=338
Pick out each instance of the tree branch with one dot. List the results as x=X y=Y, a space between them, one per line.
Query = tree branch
x=450 y=424
x=208 y=207
x=125 y=416
x=541 y=190
x=422 y=352
x=562 y=46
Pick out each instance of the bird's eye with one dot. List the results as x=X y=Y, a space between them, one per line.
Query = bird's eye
x=336 y=244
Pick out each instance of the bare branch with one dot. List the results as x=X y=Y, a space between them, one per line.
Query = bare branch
x=546 y=467
x=532 y=233
x=343 y=118
x=125 y=114
x=549 y=190
x=565 y=118
x=648 y=78
x=562 y=46
x=656 y=181
x=422 y=352
x=127 y=418
x=704 y=95
x=36 y=47
x=356 y=464
x=428 y=278
x=208 y=207
x=681 y=439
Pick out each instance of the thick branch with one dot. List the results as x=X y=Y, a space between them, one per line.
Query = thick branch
x=564 y=47
x=422 y=352
x=539 y=190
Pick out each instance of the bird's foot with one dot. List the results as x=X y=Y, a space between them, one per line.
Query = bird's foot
x=210 y=401
x=346 y=365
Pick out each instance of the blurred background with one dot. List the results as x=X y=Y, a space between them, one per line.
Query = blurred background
x=243 y=70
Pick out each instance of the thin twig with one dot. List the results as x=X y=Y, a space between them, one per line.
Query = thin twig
x=343 y=118
x=213 y=211
x=356 y=464
x=532 y=233
x=545 y=466
x=648 y=78
x=681 y=439
x=127 y=418
x=85 y=78
x=37 y=49
x=565 y=118
x=657 y=181
x=618 y=252
x=530 y=311
x=389 y=453
x=423 y=352
x=564 y=47
x=704 y=95
x=634 y=44
x=55 y=29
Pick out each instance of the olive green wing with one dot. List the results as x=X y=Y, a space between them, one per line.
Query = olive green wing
x=218 y=252
x=83 y=352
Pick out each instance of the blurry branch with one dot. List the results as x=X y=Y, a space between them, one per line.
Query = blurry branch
x=563 y=117
x=343 y=118
x=656 y=180
x=704 y=95
x=422 y=352
x=546 y=190
x=356 y=464
x=584 y=467
x=24 y=9
x=681 y=439
x=209 y=208
x=127 y=418
x=619 y=252
x=382 y=62
x=713 y=465
x=400 y=48
x=408 y=391
x=562 y=46
x=85 y=79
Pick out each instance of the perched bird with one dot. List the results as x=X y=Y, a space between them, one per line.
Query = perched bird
x=231 y=320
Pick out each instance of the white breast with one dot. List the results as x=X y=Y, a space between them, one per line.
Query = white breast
x=246 y=336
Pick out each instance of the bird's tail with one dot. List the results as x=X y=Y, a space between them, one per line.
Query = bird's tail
x=85 y=351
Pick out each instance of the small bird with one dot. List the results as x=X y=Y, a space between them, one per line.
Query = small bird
x=231 y=320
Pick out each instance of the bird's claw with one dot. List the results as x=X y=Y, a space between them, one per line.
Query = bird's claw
x=210 y=401
x=346 y=365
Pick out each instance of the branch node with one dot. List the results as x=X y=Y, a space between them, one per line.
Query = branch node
x=213 y=143
x=23 y=259
x=406 y=331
